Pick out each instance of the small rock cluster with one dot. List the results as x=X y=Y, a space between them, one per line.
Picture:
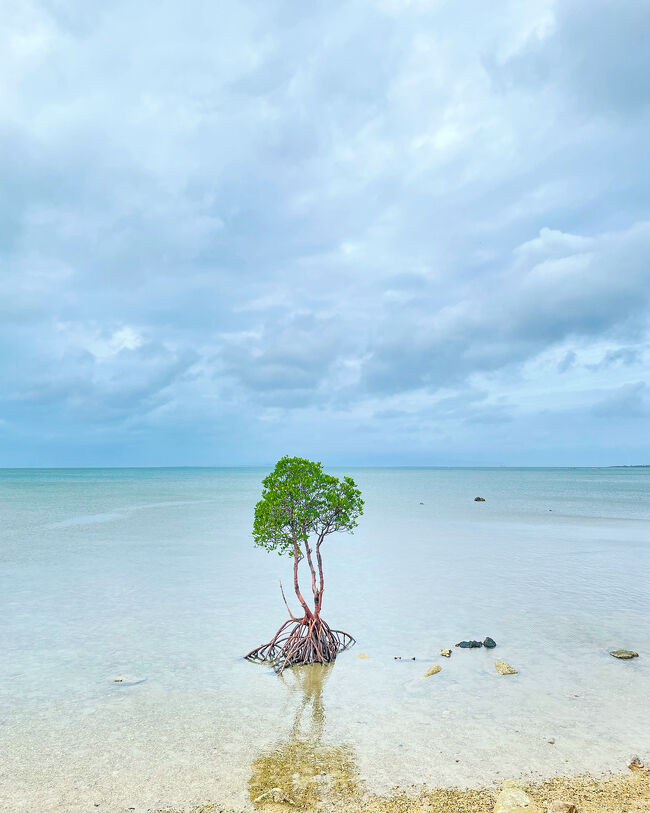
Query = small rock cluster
x=504 y=668
x=488 y=643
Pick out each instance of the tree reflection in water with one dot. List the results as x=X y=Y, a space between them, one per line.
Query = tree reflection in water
x=303 y=772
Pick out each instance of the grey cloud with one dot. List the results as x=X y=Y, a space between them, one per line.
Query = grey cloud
x=621 y=356
x=629 y=401
x=598 y=285
x=567 y=362
x=129 y=383
x=596 y=48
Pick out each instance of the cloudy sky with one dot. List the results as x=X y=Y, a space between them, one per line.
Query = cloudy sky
x=373 y=232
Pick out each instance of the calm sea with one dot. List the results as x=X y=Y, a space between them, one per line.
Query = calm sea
x=151 y=575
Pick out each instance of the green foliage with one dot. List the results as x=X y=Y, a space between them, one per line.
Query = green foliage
x=299 y=500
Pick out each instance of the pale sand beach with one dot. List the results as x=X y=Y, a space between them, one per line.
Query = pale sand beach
x=628 y=793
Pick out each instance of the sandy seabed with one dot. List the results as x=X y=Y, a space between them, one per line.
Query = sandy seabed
x=626 y=793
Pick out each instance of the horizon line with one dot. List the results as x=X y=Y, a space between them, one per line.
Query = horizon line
x=335 y=465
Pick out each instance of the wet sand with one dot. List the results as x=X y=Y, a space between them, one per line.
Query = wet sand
x=624 y=793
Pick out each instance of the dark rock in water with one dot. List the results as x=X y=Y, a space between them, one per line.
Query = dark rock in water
x=129 y=680
x=624 y=654
x=479 y=499
x=468 y=644
x=489 y=643
x=475 y=644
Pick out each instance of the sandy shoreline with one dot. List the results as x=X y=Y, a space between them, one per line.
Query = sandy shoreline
x=615 y=793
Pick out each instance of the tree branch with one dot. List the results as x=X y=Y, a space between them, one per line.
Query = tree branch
x=291 y=615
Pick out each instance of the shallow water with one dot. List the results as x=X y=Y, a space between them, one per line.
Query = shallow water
x=151 y=575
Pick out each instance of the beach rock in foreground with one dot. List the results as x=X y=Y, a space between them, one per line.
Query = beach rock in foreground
x=433 y=670
x=558 y=806
x=514 y=799
x=489 y=643
x=446 y=653
x=624 y=654
x=504 y=668
x=636 y=764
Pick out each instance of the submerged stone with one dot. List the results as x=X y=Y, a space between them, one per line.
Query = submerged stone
x=504 y=668
x=274 y=795
x=446 y=653
x=433 y=670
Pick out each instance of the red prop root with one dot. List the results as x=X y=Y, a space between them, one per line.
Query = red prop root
x=300 y=642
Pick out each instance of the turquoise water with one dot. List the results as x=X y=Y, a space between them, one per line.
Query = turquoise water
x=151 y=575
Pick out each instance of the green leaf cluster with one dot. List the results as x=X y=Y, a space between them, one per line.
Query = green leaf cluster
x=300 y=500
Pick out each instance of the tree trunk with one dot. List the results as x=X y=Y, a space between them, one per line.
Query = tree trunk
x=314 y=589
x=319 y=559
x=296 y=561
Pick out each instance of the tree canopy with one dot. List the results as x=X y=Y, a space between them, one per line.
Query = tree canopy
x=299 y=500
